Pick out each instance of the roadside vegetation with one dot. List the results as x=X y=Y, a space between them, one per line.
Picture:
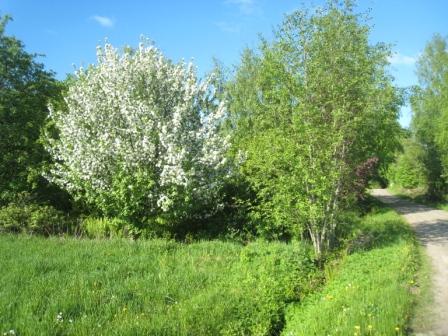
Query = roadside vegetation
x=419 y=195
x=421 y=168
x=371 y=290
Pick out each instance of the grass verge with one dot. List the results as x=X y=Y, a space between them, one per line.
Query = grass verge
x=371 y=292
x=418 y=196
x=61 y=286
x=422 y=319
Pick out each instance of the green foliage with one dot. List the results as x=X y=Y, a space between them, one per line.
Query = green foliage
x=409 y=169
x=430 y=113
x=107 y=227
x=25 y=89
x=305 y=112
x=122 y=287
x=33 y=219
x=138 y=138
x=369 y=294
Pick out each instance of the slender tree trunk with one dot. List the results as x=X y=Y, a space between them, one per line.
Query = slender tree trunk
x=318 y=242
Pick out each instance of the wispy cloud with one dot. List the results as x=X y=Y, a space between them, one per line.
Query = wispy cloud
x=104 y=21
x=247 y=7
x=399 y=59
x=228 y=27
x=51 y=32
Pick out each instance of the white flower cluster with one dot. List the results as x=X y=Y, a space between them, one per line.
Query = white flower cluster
x=136 y=111
x=10 y=332
x=59 y=317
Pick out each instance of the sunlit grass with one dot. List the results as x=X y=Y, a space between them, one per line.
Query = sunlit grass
x=117 y=287
x=371 y=292
x=423 y=315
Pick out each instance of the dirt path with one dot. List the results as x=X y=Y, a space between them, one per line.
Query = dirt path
x=431 y=226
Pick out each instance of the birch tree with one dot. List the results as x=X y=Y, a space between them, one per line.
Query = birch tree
x=307 y=110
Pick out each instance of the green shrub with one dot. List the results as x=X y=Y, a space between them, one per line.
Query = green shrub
x=409 y=170
x=33 y=219
x=279 y=273
x=104 y=227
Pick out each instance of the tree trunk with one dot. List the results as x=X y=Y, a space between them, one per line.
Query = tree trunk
x=318 y=243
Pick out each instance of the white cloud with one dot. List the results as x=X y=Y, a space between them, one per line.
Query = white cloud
x=246 y=7
x=399 y=59
x=228 y=27
x=104 y=21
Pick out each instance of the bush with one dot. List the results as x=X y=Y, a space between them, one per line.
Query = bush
x=409 y=170
x=33 y=219
x=279 y=274
x=139 y=139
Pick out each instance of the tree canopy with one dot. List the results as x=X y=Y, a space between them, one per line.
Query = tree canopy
x=139 y=138
x=429 y=103
x=25 y=89
x=306 y=111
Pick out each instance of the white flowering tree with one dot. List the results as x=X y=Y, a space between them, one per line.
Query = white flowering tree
x=139 y=137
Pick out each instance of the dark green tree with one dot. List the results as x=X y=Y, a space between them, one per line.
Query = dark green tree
x=25 y=90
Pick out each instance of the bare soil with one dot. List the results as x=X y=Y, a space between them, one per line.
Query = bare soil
x=431 y=227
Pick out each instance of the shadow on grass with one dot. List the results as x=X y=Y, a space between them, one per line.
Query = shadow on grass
x=404 y=206
x=382 y=227
x=370 y=205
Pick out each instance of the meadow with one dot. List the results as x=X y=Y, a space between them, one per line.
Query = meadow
x=371 y=290
x=68 y=286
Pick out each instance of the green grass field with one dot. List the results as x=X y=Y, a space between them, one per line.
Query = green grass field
x=62 y=286
x=370 y=292
x=65 y=286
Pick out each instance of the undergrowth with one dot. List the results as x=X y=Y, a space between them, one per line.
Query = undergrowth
x=371 y=291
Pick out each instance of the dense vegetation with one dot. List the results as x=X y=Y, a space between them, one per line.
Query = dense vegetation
x=369 y=293
x=408 y=170
x=426 y=151
x=308 y=110
x=226 y=198
x=25 y=90
x=280 y=150
x=118 y=287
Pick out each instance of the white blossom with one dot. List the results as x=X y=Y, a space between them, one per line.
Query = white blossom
x=137 y=112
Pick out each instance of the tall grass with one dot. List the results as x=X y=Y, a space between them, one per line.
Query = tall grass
x=117 y=287
x=371 y=291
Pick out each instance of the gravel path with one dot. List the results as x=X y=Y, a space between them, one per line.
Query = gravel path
x=431 y=226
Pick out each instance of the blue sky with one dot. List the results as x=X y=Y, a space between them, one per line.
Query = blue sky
x=67 y=32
